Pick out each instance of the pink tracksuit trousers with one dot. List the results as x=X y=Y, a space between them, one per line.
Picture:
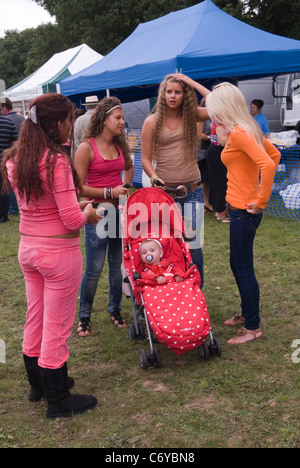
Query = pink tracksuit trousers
x=52 y=269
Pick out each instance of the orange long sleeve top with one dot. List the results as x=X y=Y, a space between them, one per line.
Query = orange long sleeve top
x=250 y=169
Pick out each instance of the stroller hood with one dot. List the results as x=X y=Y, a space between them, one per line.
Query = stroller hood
x=151 y=212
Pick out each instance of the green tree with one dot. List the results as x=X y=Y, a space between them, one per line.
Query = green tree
x=104 y=25
x=280 y=17
x=13 y=55
x=21 y=53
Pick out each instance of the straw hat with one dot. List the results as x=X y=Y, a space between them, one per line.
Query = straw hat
x=91 y=101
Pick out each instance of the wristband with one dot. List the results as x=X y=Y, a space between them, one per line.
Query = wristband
x=109 y=193
x=153 y=179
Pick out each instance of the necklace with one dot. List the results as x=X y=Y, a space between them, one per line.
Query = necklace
x=109 y=157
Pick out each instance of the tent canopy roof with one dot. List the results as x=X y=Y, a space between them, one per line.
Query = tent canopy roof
x=202 y=41
x=60 y=66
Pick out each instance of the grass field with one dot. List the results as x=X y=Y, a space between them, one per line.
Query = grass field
x=248 y=398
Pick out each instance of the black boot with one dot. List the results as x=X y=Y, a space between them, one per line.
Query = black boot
x=33 y=370
x=61 y=403
x=34 y=378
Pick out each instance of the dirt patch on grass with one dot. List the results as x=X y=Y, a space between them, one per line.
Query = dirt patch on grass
x=202 y=404
x=155 y=386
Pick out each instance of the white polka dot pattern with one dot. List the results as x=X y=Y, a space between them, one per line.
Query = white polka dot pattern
x=182 y=323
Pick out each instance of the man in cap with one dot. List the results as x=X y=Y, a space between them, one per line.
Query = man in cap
x=82 y=122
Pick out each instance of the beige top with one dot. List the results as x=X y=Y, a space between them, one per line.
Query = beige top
x=171 y=164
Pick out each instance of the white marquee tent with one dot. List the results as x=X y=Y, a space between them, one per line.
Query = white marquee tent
x=47 y=77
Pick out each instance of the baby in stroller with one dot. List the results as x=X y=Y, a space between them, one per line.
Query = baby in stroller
x=163 y=279
x=156 y=268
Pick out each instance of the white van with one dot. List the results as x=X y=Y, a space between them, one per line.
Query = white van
x=281 y=95
x=290 y=108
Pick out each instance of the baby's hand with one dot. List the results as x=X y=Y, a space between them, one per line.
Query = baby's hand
x=160 y=279
x=178 y=279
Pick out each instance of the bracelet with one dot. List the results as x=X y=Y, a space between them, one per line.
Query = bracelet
x=108 y=193
x=153 y=179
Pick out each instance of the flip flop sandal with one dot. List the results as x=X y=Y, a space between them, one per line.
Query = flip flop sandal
x=117 y=320
x=207 y=210
x=235 y=320
x=245 y=336
x=84 y=327
x=223 y=219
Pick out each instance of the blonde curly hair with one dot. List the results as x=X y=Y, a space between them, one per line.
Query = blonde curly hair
x=189 y=116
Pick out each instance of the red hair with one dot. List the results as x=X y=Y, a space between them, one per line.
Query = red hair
x=34 y=140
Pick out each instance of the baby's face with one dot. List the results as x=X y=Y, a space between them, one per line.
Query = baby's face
x=151 y=253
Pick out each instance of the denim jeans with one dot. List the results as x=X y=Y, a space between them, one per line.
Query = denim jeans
x=96 y=248
x=192 y=207
x=13 y=205
x=243 y=226
x=4 y=201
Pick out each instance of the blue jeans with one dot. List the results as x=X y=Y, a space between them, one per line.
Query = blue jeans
x=13 y=205
x=96 y=249
x=192 y=207
x=243 y=226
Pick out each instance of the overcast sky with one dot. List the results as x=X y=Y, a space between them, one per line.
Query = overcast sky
x=22 y=14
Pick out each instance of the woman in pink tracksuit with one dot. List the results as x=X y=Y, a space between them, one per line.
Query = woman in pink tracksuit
x=47 y=186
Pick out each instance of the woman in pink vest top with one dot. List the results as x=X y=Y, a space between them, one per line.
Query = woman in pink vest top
x=100 y=161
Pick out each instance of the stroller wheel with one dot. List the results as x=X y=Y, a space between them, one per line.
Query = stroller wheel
x=131 y=332
x=215 y=347
x=157 y=358
x=204 y=351
x=143 y=359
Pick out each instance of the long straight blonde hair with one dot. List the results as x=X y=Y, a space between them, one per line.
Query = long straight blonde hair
x=227 y=105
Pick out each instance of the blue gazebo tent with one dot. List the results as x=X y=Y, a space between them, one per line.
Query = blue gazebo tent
x=202 y=41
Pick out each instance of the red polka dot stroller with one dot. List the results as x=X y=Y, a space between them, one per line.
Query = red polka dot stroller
x=175 y=313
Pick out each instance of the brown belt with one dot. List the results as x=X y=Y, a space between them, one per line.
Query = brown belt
x=232 y=208
x=183 y=190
